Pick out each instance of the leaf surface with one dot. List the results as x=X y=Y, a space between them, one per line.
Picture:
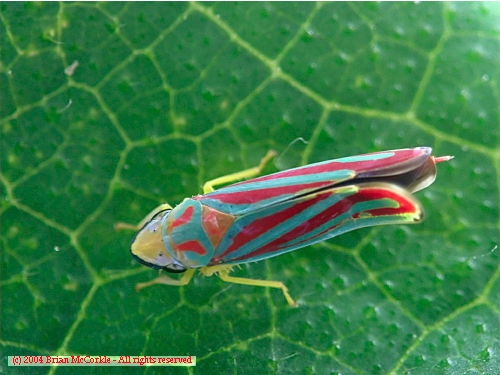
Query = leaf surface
x=110 y=109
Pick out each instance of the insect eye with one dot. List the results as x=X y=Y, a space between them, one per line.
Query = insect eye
x=174 y=267
x=156 y=221
x=161 y=214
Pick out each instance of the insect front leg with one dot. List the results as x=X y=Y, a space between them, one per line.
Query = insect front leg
x=223 y=273
x=136 y=227
x=165 y=280
x=208 y=187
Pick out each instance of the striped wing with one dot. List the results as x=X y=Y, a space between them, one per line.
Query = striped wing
x=314 y=217
x=253 y=195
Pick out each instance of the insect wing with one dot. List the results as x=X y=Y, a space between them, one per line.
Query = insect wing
x=241 y=199
x=315 y=217
x=253 y=195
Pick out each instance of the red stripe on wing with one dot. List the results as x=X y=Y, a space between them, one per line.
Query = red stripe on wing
x=260 y=226
x=358 y=166
x=258 y=195
x=406 y=206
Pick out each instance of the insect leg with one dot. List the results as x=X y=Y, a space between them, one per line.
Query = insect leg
x=164 y=279
x=208 y=187
x=266 y=283
x=120 y=226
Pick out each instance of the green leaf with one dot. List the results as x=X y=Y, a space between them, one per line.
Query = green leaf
x=109 y=109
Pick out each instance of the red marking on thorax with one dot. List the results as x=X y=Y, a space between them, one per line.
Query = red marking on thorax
x=215 y=224
x=186 y=217
x=191 y=245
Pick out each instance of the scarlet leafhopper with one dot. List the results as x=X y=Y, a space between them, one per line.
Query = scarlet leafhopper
x=274 y=214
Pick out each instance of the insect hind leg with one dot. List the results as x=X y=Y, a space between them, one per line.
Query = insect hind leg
x=208 y=187
x=223 y=273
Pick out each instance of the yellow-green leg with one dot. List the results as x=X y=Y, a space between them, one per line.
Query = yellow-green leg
x=223 y=273
x=208 y=187
x=136 y=227
x=165 y=280
x=265 y=283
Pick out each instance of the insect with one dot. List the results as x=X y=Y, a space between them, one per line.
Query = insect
x=270 y=215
